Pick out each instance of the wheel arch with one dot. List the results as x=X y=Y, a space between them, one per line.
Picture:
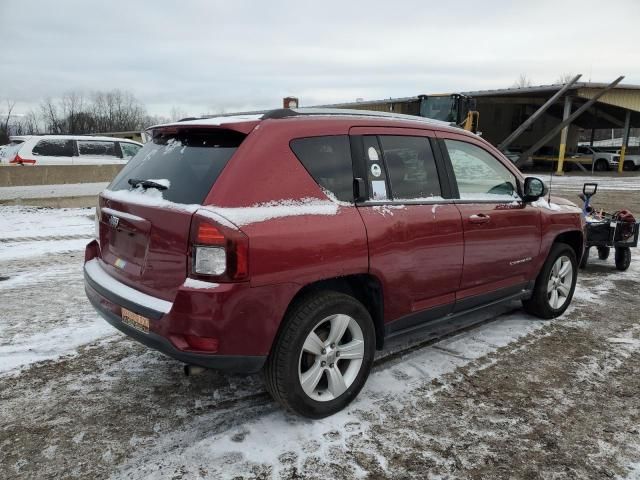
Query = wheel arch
x=573 y=238
x=365 y=288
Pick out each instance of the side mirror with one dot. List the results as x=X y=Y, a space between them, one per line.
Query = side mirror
x=534 y=188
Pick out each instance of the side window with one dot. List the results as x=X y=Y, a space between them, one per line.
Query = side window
x=328 y=161
x=411 y=167
x=480 y=176
x=97 y=148
x=129 y=149
x=55 y=147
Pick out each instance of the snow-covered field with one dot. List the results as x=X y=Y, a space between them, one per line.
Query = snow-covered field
x=466 y=406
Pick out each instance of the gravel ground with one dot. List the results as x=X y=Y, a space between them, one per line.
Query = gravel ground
x=512 y=397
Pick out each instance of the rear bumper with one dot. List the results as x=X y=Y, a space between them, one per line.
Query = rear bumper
x=108 y=298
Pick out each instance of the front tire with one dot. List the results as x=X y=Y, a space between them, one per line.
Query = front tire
x=555 y=284
x=623 y=258
x=601 y=165
x=322 y=356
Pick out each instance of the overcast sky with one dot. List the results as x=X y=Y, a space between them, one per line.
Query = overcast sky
x=206 y=56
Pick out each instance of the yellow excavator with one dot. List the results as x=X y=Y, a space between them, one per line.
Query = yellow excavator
x=451 y=107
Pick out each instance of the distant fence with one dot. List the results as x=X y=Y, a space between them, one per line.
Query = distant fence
x=14 y=176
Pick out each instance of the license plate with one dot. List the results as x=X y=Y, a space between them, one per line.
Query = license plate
x=136 y=321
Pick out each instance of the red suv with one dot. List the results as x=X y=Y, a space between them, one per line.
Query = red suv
x=297 y=241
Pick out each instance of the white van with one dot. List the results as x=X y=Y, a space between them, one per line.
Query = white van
x=70 y=150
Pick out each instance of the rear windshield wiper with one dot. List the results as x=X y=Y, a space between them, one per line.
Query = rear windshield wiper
x=134 y=182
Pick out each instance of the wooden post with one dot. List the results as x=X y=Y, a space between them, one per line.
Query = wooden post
x=563 y=135
x=625 y=140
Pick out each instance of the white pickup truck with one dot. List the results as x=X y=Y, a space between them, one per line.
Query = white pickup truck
x=631 y=159
x=601 y=160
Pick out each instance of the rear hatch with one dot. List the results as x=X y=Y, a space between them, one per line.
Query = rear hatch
x=145 y=214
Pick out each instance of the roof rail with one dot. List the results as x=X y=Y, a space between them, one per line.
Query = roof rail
x=298 y=112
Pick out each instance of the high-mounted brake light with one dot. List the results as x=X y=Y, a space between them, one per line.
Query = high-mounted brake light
x=219 y=251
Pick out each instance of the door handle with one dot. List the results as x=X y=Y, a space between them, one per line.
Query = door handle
x=479 y=218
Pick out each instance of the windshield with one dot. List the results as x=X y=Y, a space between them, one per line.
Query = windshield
x=187 y=162
x=439 y=108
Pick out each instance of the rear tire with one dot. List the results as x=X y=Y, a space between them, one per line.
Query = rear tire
x=555 y=284
x=628 y=166
x=322 y=356
x=603 y=253
x=623 y=258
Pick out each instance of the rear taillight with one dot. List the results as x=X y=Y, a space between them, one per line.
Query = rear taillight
x=219 y=251
x=21 y=161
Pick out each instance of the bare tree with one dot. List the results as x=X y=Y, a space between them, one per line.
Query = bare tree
x=4 y=126
x=177 y=114
x=117 y=110
x=564 y=78
x=29 y=124
x=522 y=81
x=53 y=121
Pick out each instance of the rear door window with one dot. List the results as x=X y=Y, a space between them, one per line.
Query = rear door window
x=411 y=167
x=191 y=160
x=328 y=161
x=96 y=148
x=54 y=147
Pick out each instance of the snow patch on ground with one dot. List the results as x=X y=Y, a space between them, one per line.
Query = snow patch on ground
x=19 y=250
x=27 y=349
x=19 y=221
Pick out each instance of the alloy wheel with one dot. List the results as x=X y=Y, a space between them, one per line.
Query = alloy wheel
x=560 y=282
x=331 y=357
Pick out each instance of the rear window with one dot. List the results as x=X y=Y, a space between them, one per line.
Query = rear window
x=190 y=160
x=328 y=160
x=54 y=148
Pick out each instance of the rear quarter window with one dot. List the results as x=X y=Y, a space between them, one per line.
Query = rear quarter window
x=328 y=161
x=191 y=160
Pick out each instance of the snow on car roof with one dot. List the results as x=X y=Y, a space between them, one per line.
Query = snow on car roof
x=80 y=137
x=212 y=121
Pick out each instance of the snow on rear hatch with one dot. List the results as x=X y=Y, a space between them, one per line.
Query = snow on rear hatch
x=146 y=211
